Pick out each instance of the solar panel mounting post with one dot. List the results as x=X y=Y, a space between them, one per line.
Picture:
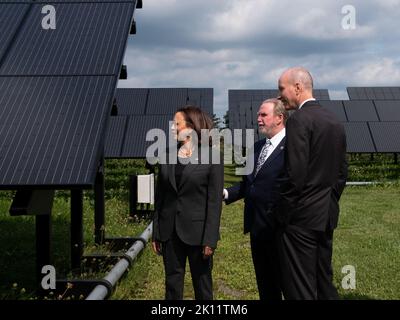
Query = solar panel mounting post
x=99 y=206
x=43 y=247
x=76 y=229
x=133 y=195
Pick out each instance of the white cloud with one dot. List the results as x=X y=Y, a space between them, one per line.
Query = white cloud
x=232 y=44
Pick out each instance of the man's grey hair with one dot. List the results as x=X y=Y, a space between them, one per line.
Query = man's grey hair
x=279 y=108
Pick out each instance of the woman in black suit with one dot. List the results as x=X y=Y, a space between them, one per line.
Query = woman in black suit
x=188 y=208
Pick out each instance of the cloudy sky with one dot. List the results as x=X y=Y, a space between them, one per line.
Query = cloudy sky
x=246 y=44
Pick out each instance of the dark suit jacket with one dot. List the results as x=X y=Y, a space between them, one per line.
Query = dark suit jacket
x=260 y=192
x=316 y=168
x=193 y=208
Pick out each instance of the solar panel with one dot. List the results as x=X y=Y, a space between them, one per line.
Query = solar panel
x=194 y=95
x=388 y=110
x=142 y=104
x=249 y=116
x=336 y=107
x=374 y=93
x=166 y=100
x=135 y=145
x=360 y=111
x=386 y=136
x=89 y=39
x=10 y=18
x=207 y=106
x=244 y=104
x=255 y=105
x=358 y=137
x=48 y=138
x=115 y=137
x=352 y=93
x=56 y=89
x=321 y=94
x=131 y=101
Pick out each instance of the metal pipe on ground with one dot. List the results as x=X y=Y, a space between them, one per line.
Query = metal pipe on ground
x=368 y=183
x=100 y=292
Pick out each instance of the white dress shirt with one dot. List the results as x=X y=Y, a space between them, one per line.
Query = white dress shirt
x=302 y=104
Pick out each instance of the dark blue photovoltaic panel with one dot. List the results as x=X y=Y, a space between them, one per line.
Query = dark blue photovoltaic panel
x=321 y=94
x=249 y=116
x=166 y=100
x=245 y=104
x=10 y=19
x=374 y=93
x=358 y=137
x=336 y=107
x=194 y=96
x=115 y=136
x=89 y=39
x=48 y=138
x=360 y=111
x=135 y=145
x=388 y=110
x=131 y=101
x=138 y=106
x=260 y=94
x=255 y=106
x=386 y=136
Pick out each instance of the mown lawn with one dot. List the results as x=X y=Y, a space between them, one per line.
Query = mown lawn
x=368 y=238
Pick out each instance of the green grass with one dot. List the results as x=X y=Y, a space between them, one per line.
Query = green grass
x=368 y=237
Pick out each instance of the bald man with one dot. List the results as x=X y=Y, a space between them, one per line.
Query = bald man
x=316 y=168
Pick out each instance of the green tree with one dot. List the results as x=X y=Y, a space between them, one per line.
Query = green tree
x=226 y=119
x=216 y=121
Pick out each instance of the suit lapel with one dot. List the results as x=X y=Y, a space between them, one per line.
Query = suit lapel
x=187 y=171
x=189 y=168
x=279 y=148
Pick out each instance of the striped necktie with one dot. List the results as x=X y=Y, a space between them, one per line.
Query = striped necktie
x=263 y=155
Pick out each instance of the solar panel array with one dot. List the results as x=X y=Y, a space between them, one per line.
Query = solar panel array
x=373 y=93
x=378 y=110
x=56 y=89
x=371 y=117
x=244 y=105
x=140 y=110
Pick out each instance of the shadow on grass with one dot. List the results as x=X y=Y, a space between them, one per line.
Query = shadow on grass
x=355 y=296
x=18 y=254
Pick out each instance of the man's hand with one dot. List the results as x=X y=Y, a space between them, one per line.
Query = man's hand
x=156 y=247
x=207 y=252
x=225 y=195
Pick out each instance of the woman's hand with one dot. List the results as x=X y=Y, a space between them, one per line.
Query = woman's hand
x=156 y=247
x=207 y=252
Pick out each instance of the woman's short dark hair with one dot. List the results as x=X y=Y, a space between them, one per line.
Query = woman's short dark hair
x=196 y=119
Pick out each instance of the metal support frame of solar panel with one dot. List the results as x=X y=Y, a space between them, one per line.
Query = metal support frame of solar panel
x=82 y=59
x=154 y=103
x=373 y=93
